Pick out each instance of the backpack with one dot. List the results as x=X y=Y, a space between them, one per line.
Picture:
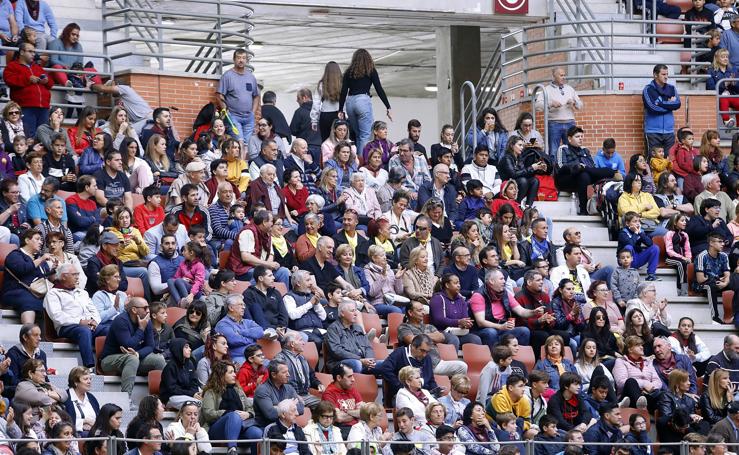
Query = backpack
x=547 y=189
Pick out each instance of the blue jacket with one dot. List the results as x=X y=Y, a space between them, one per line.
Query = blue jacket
x=615 y=162
x=239 y=334
x=22 y=267
x=546 y=365
x=401 y=357
x=18 y=357
x=426 y=192
x=639 y=242
x=658 y=118
x=90 y=161
x=467 y=210
x=715 y=75
x=35 y=208
x=340 y=172
x=22 y=215
x=643 y=439
x=45 y=17
x=602 y=432
x=729 y=41
x=468 y=279
x=682 y=362
x=72 y=409
x=168 y=266
x=501 y=140
x=125 y=333
x=361 y=276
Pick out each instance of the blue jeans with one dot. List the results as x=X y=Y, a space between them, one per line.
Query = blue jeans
x=245 y=125
x=556 y=133
x=282 y=275
x=383 y=309
x=33 y=117
x=357 y=366
x=15 y=240
x=82 y=335
x=650 y=256
x=180 y=289
x=230 y=426
x=604 y=273
x=490 y=336
x=359 y=113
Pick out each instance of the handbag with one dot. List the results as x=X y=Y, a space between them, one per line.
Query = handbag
x=38 y=287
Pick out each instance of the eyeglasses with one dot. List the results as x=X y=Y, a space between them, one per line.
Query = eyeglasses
x=196 y=312
x=145 y=307
x=14 y=113
x=422 y=228
x=577 y=233
x=600 y=317
x=601 y=290
x=258 y=355
x=327 y=416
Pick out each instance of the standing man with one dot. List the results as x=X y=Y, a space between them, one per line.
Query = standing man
x=30 y=87
x=301 y=126
x=239 y=93
x=660 y=100
x=562 y=102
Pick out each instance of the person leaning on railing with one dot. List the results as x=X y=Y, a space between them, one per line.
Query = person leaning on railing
x=69 y=41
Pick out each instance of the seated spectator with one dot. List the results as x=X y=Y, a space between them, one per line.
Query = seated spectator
x=659 y=163
x=471 y=204
x=655 y=311
x=494 y=374
x=21 y=270
x=179 y=385
x=54 y=225
x=724 y=19
x=58 y=163
x=324 y=433
x=456 y=400
x=633 y=199
x=720 y=69
x=164 y=265
x=421 y=237
x=253 y=371
x=269 y=154
x=348 y=344
x=638 y=166
x=415 y=167
x=239 y=331
x=480 y=169
x=598 y=297
x=568 y=313
x=265 y=132
x=476 y=429
x=343 y=395
x=567 y=407
x=607 y=429
x=555 y=363
x=93 y=157
x=512 y=166
x=218 y=179
x=113 y=183
x=30 y=85
x=339 y=132
x=187 y=426
x=678 y=410
x=301 y=160
x=72 y=312
x=716 y=397
x=699 y=227
x=442 y=189
x=194 y=175
x=348 y=235
x=304 y=309
x=572 y=269
x=81 y=405
x=600 y=331
x=305 y=246
x=254 y=247
x=419 y=280
x=666 y=361
x=30 y=183
x=466 y=272
x=538 y=246
x=597 y=379
x=685 y=341
x=35 y=390
x=84 y=130
x=82 y=208
x=596 y=270
x=608 y=158
x=163 y=332
x=29 y=337
x=284 y=426
x=382 y=281
x=136 y=169
x=712 y=184
x=162 y=126
x=712 y=273
x=133 y=250
x=362 y=199
x=636 y=378
x=413 y=326
x=129 y=346
x=194 y=327
x=36 y=205
x=227 y=413
x=633 y=238
x=270 y=393
x=450 y=313
x=302 y=376
x=150 y=213
x=533 y=298
x=575 y=168
x=324 y=271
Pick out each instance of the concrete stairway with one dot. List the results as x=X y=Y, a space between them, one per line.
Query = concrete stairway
x=595 y=238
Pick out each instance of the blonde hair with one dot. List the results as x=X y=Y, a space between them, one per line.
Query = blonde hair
x=150 y=150
x=341 y=249
x=9 y=106
x=414 y=255
x=717 y=396
x=324 y=178
x=430 y=408
x=369 y=410
x=330 y=83
x=677 y=377
x=377 y=250
x=407 y=372
x=717 y=56
x=114 y=125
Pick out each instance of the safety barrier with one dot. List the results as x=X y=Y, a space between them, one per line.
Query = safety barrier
x=723 y=129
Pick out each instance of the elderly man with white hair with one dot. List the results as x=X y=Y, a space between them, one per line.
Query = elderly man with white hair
x=72 y=311
x=286 y=428
x=194 y=174
x=239 y=331
x=302 y=376
x=712 y=184
x=303 y=304
x=348 y=344
x=362 y=199
x=440 y=188
x=266 y=191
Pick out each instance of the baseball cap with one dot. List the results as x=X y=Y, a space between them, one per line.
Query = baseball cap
x=109 y=238
x=195 y=166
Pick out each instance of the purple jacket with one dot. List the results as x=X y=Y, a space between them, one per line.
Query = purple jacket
x=447 y=313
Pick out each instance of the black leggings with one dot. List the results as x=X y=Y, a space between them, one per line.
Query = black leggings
x=633 y=392
x=528 y=187
x=580 y=180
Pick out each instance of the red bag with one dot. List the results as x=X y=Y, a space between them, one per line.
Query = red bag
x=547 y=190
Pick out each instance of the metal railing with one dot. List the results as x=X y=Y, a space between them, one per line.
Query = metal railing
x=524 y=58
x=473 y=103
x=194 y=36
x=724 y=130
x=103 y=66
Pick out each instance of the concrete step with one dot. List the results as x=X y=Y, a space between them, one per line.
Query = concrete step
x=140 y=388
x=62 y=365
x=98 y=382
x=588 y=229
x=555 y=208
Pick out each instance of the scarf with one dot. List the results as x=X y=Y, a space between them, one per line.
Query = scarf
x=557 y=363
x=33 y=8
x=230 y=400
x=104 y=259
x=539 y=249
x=480 y=433
x=421 y=396
x=665 y=366
x=639 y=361
x=372 y=267
x=352 y=278
x=326 y=438
x=424 y=280
x=313 y=239
x=280 y=244
x=686 y=343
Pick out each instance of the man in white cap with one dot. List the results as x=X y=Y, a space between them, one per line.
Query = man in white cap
x=194 y=174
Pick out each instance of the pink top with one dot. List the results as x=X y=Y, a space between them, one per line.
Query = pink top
x=686 y=246
x=195 y=271
x=734 y=228
x=477 y=304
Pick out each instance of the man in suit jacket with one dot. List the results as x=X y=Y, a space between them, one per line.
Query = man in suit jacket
x=441 y=188
x=351 y=236
x=301 y=375
x=422 y=236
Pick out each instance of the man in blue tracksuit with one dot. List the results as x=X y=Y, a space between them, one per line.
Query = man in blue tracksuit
x=660 y=100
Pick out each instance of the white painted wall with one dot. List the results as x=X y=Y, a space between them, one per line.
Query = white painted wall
x=403 y=109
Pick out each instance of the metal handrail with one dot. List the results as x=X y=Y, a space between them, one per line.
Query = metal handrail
x=473 y=102
x=206 y=35
x=545 y=100
x=720 y=127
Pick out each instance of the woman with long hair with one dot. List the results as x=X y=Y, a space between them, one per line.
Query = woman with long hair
x=510 y=255
x=524 y=129
x=151 y=412
x=44 y=133
x=469 y=237
x=325 y=108
x=265 y=131
x=120 y=128
x=635 y=199
x=418 y=281
x=441 y=225
x=355 y=92
x=93 y=157
x=339 y=132
x=721 y=68
x=588 y=365
x=186 y=154
x=216 y=350
x=162 y=168
x=685 y=341
x=638 y=165
x=605 y=341
x=194 y=327
x=379 y=141
x=716 y=396
x=512 y=167
x=344 y=162
x=446 y=143
x=329 y=189
x=82 y=133
x=108 y=423
x=674 y=400
x=711 y=149
x=678 y=252
x=636 y=325
x=692 y=185
x=136 y=169
x=374 y=171
x=599 y=297
x=491 y=132
x=636 y=378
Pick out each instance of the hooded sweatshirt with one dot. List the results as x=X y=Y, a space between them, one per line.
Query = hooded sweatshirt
x=178 y=376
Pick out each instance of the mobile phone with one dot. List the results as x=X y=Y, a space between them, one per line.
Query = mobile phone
x=43 y=76
x=532 y=140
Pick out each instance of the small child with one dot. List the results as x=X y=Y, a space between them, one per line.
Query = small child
x=508 y=431
x=658 y=163
x=163 y=332
x=633 y=238
x=494 y=375
x=18 y=157
x=198 y=235
x=549 y=433
x=682 y=155
x=236 y=216
x=624 y=279
x=471 y=204
x=189 y=279
x=677 y=246
x=111 y=206
x=485 y=225
x=698 y=13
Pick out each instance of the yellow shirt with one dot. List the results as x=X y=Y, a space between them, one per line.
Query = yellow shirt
x=507 y=252
x=238 y=174
x=387 y=245
x=313 y=239
x=352 y=241
x=627 y=202
x=132 y=251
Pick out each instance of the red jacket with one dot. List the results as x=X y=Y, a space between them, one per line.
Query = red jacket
x=18 y=77
x=682 y=159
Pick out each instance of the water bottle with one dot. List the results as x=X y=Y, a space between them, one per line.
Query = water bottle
x=575 y=204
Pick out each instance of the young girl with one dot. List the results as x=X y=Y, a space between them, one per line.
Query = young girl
x=677 y=246
x=658 y=162
x=189 y=278
x=18 y=157
x=188 y=151
x=236 y=215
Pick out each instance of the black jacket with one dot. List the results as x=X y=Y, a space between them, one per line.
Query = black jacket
x=273 y=308
x=277 y=431
x=511 y=167
x=301 y=125
x=178 y=376
x=279 y=122
x=698 y=229
x=556 y=409
x=426 y=192
x=361 y=257
x=602 y=432
x=709 y=413
x=526 y=249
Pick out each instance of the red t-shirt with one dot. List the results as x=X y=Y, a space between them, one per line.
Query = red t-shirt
x=144 y=219
x=344 y=400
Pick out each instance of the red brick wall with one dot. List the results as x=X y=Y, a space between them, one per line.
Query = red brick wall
x=620 y=115
x=188 y=94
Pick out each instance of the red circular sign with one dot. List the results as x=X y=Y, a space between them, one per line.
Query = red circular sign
x=511 y=6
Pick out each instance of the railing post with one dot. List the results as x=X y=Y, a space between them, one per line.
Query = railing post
x=219 y=40
x=113 y=446
x=529 y=447
x=545 y=101
x=463 y=114
x=611 y=46
x=364 y=448
x=578 y=18
x=265 y=446
x=160 y=44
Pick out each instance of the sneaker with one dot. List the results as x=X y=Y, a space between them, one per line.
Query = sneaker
x=652 y=277
x=641 y=402
x=69 y=84
x=371 y=335
x=731 y=123
x=383 y=339
x=270 y=334
x=717 y=321
x=625 y=403
x=232 y=451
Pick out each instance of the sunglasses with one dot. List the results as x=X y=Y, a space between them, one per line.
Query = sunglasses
x=192 y=403
x=14 y=113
